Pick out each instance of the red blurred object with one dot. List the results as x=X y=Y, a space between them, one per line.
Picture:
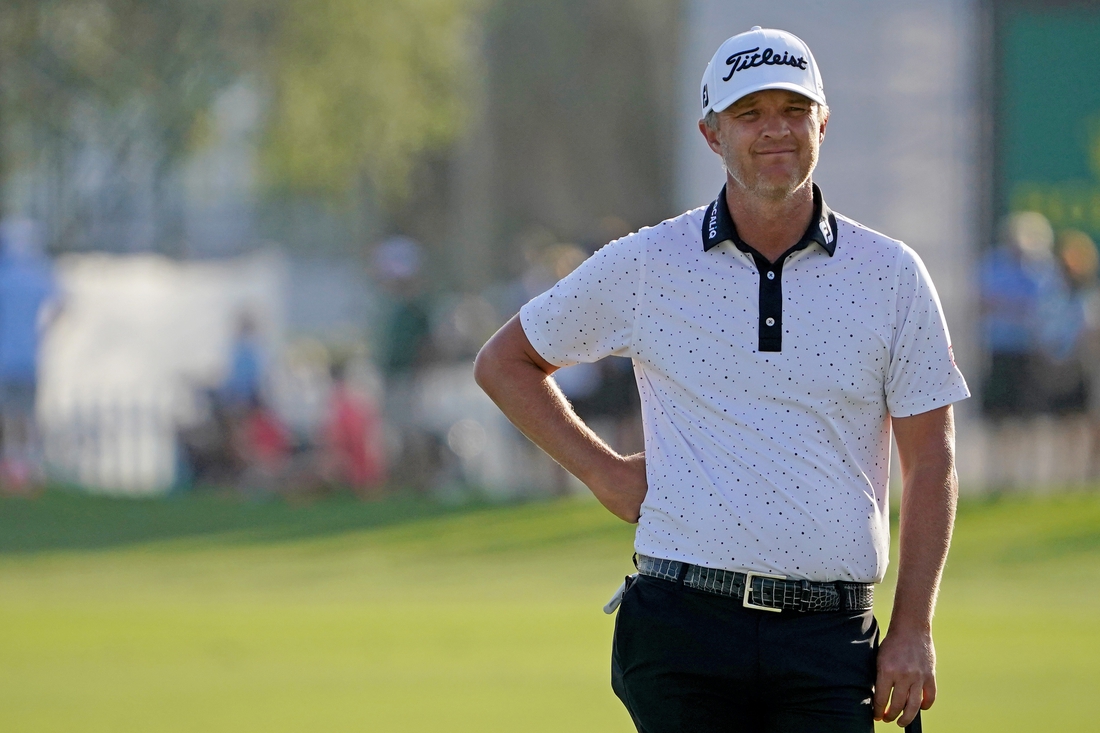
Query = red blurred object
x=267 y=442
x=352 y=441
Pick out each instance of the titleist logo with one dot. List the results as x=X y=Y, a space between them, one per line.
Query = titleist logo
x=750 y=59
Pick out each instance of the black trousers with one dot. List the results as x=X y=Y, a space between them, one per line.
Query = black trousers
x=688 y=661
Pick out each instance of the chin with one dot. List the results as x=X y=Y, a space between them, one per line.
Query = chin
x=777 y=188
x=774 y=184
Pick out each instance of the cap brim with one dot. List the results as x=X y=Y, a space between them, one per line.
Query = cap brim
x=787 y=85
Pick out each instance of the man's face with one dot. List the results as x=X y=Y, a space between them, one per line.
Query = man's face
x=769 y=141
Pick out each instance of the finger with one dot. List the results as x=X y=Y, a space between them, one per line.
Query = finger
x=897 y=703
x=882 y=695
x=929 y=694
x=912 y=706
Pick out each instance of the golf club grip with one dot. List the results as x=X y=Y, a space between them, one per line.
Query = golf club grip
x=914 y=727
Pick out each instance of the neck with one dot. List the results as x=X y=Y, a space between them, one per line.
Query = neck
x=770 y=226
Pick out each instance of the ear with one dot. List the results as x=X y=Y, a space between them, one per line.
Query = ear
x=711 y=137
x=821 y=129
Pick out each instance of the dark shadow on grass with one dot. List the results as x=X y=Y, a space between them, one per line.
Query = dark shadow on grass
x=68 y=520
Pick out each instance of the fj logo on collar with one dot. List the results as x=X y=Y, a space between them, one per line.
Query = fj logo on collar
x=826 y=230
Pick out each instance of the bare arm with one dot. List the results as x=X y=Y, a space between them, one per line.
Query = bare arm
x=907 y=656
x=517 y=378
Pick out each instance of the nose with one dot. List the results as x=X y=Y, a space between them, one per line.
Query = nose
x=775 y=125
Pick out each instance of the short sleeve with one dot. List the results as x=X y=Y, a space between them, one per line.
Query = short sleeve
x=590 y=313
x=922 y=374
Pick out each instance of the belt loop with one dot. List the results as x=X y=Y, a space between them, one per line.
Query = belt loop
x=681 y=574
x=634 y=559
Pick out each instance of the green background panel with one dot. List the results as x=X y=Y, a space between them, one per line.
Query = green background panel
x=1049 y=114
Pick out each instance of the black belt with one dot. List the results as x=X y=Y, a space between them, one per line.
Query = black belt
x=766 y=592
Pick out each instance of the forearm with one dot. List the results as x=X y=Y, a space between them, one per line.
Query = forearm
x=906 y=678
x=930 y=494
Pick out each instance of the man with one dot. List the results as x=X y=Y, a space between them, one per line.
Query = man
x=774 y=344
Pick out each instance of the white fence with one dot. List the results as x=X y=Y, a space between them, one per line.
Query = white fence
x=120 y=442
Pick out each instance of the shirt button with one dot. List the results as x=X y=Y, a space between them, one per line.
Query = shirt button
x=771 y=275
x=770 y=321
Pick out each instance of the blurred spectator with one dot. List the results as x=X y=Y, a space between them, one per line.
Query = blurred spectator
x=264 y=445
x=405 y=350
x=243 y=383
x=1019 y=281
x=1022 y=290
x=27 y=292
x=239 y=440
x=397 y=263
x=1081 y=262
x=1065 y=364
x=352 y=446
x=209 y=456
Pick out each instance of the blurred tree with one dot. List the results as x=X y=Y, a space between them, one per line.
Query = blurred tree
x=364 y=86
x=582 y=105
x=170 y=57
x=356 y=89
x=120 y=83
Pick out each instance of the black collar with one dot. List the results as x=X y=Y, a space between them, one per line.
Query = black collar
x=718 y=226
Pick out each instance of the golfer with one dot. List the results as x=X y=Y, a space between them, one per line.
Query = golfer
x=775 y=345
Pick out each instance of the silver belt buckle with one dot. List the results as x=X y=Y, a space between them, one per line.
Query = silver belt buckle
x=747 y=602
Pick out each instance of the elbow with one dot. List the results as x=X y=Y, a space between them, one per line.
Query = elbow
x=505 y=360
x=483 y=368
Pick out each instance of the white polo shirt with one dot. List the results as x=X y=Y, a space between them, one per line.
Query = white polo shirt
x=766 y=390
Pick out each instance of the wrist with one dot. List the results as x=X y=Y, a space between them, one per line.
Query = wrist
x=901 y=623
x=619 y=483
x=601 y=472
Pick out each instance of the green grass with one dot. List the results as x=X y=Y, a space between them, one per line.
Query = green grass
x=204 y=614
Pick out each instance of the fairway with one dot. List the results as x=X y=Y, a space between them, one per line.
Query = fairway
x=206 y=614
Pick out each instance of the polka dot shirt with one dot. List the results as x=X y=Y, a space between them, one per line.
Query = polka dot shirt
x=773 y=461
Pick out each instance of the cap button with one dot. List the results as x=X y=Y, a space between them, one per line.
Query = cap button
x=756 y=28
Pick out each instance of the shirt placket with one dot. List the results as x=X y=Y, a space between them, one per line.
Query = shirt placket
x=770 y=326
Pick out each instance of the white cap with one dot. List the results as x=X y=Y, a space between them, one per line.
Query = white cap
x=762 y=58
